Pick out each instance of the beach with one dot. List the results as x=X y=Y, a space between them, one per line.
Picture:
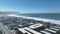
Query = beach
x=40 y=19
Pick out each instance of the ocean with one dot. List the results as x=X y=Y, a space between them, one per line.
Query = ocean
x=55 y=16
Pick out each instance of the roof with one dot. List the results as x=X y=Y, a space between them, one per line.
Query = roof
x=33 y=31
x=50 y=30
x=23 y=31
x=45 y=32
x=54 y=29
x=36 y=25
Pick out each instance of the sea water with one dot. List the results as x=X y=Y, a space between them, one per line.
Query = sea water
x=55 y=16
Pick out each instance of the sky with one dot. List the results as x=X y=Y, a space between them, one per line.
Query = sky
x=31 y=6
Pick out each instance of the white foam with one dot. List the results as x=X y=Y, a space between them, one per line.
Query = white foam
x=40 y=19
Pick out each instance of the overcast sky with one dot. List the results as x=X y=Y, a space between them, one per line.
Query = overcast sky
x=31 y=6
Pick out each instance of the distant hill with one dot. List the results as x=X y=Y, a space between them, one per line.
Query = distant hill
x=8 y=12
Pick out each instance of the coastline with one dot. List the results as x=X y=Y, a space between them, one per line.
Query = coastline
x=40 y=19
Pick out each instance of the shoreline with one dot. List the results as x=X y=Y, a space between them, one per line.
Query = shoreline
x=40 y=19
